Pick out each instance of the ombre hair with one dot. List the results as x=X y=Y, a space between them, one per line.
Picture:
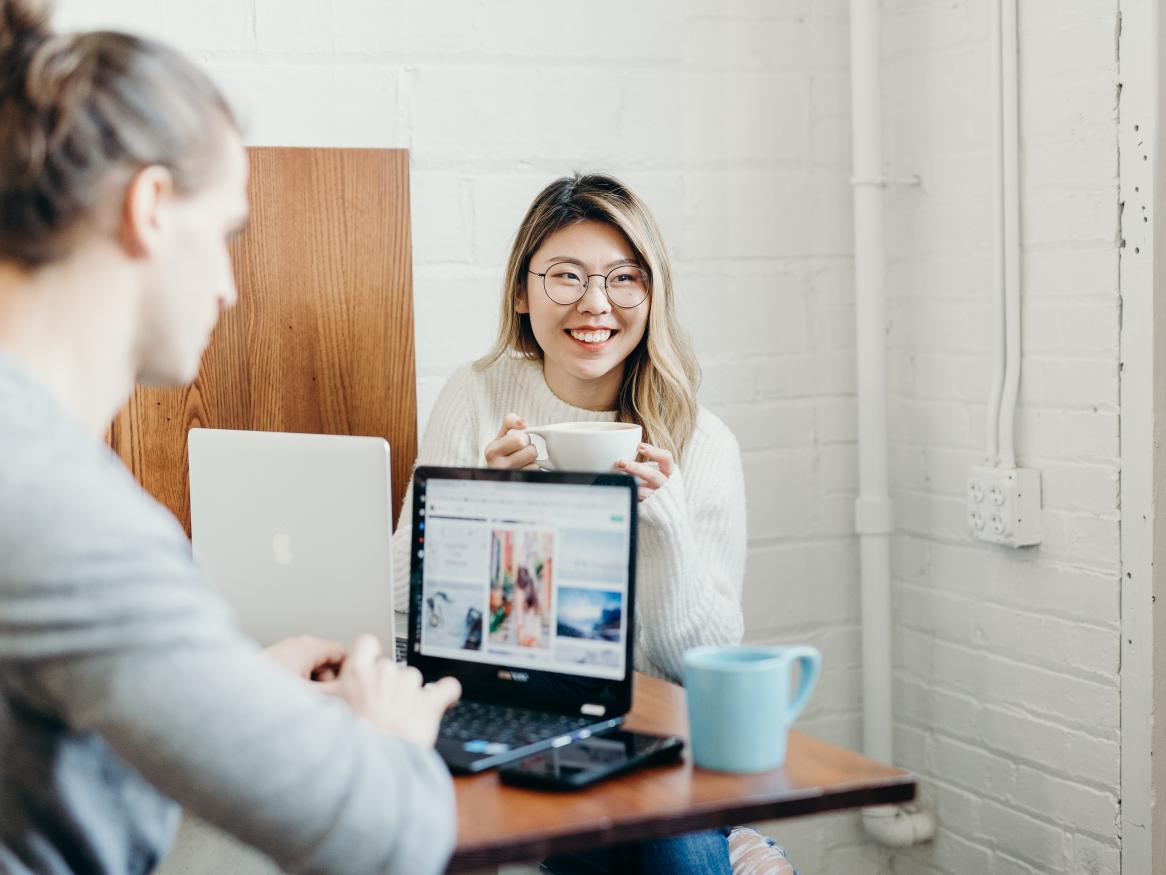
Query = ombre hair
x=661 y=375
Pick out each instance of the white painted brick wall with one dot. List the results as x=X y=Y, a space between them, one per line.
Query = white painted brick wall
x=732 y=120
x=1007 y=696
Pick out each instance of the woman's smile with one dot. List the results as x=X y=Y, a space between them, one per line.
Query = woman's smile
x=592 y=338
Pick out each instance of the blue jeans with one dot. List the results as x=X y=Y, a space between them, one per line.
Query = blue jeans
x=697 y=853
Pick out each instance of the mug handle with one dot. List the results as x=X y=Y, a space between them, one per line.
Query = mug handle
x=541 y=446
x=810 y=661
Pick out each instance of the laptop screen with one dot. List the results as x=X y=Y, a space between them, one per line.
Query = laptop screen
x=517 y=574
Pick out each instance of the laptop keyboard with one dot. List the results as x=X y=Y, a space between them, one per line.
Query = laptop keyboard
x=516 y=727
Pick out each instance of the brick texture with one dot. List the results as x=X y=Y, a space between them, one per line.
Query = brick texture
x=732 y=119
x=1006 y=662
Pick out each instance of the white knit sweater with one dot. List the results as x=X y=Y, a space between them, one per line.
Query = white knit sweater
x=691 y=561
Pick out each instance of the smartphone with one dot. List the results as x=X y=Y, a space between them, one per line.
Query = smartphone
x=592 y=759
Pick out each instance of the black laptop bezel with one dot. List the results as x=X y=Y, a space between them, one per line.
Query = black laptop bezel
x=523 y=686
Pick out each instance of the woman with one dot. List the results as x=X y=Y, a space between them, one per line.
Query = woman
x=608 y=355
x=589 y=331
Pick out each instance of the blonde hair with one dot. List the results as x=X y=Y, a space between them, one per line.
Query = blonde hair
x=661 y=375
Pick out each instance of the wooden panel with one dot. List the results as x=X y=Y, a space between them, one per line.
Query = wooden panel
x=499 y=824
x=321 y=339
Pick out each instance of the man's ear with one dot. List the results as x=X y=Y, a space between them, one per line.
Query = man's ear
x=143 y=208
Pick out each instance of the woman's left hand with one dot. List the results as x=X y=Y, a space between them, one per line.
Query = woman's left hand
x=651 y=477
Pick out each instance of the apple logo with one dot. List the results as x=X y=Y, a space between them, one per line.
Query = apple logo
x=281 y=548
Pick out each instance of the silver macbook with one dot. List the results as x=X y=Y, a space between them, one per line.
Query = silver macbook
x=294 y=531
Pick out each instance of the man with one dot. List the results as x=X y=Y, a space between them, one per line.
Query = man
x=124 y=683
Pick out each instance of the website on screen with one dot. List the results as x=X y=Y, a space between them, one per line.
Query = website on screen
x=526 y=574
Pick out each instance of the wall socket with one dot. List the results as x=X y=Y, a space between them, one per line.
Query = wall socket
x=1004 y=505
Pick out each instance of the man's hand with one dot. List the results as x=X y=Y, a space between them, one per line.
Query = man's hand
x=312 y=659
x=391 y=698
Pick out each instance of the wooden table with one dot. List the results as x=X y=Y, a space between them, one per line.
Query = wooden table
x=501 y=824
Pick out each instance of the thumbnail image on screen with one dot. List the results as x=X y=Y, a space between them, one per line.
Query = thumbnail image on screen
x=592 y=614
x=453 y=617
x=521 y=570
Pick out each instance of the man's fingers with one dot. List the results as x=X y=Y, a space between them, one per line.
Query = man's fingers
x=444 y=692
x=411 y=676
x=327 y=672
x=328 y=688
x=365 y=651
x=324 y=652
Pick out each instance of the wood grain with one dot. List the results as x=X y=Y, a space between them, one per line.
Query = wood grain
x=499 y=824
x=321 y=340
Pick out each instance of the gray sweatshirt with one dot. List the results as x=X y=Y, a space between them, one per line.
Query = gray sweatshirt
x=125 y=686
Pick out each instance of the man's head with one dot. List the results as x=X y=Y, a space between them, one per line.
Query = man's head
x=121 y=144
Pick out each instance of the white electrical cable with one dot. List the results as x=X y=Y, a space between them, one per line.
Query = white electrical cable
x=992 y=424
x=1010 y=129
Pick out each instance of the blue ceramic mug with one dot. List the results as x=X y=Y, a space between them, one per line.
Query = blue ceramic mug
x=740 y=706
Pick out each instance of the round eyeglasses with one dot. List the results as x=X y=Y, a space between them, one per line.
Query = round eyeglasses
x=566 y=282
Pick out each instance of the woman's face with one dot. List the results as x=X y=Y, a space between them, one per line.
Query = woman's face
x=584 y=344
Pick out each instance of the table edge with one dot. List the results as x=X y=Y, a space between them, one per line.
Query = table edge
x=892 y=790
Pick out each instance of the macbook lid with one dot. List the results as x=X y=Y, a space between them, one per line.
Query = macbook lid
x=294 y=531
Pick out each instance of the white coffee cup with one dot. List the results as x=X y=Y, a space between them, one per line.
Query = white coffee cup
x=587 y=446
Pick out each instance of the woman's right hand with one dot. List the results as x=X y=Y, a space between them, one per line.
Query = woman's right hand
x=512 y=447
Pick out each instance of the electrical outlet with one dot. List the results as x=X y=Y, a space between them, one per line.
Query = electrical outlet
x=1004 y=505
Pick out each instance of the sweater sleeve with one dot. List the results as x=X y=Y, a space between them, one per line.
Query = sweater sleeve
x=450 y=439
x=111 y=639
x=223 y=731
x=692 y=555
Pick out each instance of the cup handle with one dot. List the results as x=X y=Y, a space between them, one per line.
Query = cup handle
x=541 y=446
x=810 y=661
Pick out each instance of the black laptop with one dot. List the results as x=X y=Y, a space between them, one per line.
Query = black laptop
x=522 y=587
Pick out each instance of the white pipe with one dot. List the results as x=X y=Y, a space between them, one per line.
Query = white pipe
x=872 y=510
x=1010 y=148
x=992 y=424
x=898 y=826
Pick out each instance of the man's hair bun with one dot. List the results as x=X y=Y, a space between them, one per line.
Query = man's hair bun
x=75 y=108
x=24 y=25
